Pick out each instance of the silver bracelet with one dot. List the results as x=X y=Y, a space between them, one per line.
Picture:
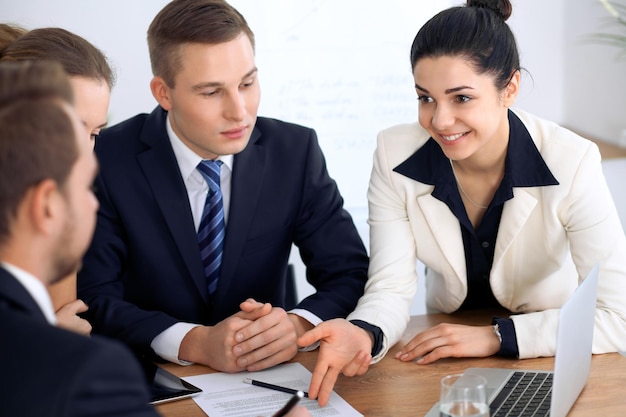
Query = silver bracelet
x=496 y=331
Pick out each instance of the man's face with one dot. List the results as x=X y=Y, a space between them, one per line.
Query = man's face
x=213 y=106
x=81 y=206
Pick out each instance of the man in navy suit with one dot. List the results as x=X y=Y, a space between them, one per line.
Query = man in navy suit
x=143 y=276
x=47 y=217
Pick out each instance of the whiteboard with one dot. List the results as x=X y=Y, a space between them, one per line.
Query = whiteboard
x=341 y=67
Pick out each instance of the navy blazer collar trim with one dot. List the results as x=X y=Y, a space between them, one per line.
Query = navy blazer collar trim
x=524 y=165
x=14 y=296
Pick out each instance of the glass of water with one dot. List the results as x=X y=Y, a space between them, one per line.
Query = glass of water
x=463 y=395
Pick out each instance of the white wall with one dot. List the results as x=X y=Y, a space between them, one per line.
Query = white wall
x=595 y=95
x=342 y=67
x=539 y=30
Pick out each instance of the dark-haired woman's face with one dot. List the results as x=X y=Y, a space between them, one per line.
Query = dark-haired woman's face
x=462 y=110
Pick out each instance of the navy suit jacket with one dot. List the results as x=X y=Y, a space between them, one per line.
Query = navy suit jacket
x=47 y=371
x=143 y=271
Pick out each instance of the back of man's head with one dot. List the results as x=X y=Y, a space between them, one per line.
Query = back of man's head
x=32 y=80
x=37 y=138
x=182 y=22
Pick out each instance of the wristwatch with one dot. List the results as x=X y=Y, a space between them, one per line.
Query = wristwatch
x=496 y=331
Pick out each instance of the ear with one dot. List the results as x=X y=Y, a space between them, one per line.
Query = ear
x=511 y=90
x=45 y=205
x=161 y=92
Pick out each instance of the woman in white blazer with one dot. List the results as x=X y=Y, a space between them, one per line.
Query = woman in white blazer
x=503 y=208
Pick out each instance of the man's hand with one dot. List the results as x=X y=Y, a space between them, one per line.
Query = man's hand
x=344 y=348
x=213 y=345
x=267 y=340
x=450 y=340
x=67 y=317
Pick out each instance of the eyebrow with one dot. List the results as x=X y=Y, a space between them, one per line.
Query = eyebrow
x=102 y=126
x=448 y=91
x=220 y=84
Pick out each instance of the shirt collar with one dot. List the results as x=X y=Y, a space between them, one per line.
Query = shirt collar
x=187 y=159
x=35 y=288
x=524 y=165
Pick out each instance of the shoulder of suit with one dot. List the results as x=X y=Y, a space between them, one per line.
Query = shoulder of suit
x=268 y=124
x=401 y=141
x=409 y=134
x=134 y=123
x=556 y=142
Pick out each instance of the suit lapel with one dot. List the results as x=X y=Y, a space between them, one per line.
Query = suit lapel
x=445 y=228
x=15 y=297
x=446 y=231
x=515 y=214
x=162 y=173
x=248 y=174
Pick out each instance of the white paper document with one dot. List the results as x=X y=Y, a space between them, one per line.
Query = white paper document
x=226 y=395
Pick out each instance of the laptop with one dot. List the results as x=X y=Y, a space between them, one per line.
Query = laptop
x=555 y=392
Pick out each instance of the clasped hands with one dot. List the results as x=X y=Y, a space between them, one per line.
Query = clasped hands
x=257 y=337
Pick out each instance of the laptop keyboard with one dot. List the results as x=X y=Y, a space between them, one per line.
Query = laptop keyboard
x=524 y=394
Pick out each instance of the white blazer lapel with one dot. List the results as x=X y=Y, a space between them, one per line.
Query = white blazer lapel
x=446 y=231
x=515 y=215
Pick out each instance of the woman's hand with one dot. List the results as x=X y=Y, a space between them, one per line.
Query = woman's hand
x=67 y=317
x=450 y=341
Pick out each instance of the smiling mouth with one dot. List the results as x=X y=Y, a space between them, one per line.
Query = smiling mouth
x=452 y=138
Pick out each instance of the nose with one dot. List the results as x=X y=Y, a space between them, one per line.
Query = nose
x=442 y=118
x=235 y=108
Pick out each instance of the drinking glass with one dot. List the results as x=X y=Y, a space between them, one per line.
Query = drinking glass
x=463 y=395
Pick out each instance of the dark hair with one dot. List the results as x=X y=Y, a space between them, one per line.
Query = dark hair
x=477 y=32
x=77 y=56
x=37 y=137
x=191 y=21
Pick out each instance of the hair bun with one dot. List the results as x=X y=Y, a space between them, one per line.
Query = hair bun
x=502 y=8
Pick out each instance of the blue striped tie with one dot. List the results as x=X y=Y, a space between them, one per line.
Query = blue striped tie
x=212 y=229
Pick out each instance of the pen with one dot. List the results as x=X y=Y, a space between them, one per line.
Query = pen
x=272 y=386
x=290 y=404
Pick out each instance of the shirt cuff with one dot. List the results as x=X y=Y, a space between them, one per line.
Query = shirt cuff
x=311 y=318
x=508 y=347
x=167 y=343
x=376 y=331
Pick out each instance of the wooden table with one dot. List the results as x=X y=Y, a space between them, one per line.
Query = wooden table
x=394 y=388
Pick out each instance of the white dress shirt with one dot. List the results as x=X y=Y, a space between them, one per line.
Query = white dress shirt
x=36 y=289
